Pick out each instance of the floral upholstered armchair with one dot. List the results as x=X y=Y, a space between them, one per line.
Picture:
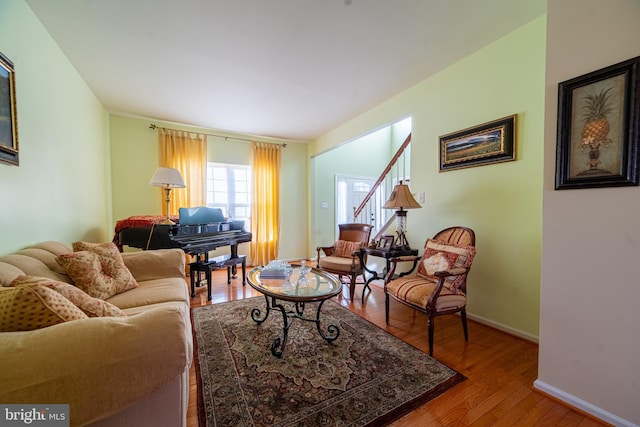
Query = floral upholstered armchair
x=439 y=286
x=343 y=258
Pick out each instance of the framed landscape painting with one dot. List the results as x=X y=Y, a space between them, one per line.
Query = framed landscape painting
x=8 y=118
x=491 y=142
x=598 y=116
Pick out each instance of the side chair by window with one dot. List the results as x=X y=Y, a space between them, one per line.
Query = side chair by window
x=343 y=258
x=439 y=285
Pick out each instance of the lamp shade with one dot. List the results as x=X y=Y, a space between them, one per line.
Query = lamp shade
x=401 y=198
x=167 y=178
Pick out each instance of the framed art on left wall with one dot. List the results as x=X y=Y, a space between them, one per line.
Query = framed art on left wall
x=8 y=113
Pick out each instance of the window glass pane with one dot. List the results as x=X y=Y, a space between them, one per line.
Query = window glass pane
x=229 y=188
x=361 y=186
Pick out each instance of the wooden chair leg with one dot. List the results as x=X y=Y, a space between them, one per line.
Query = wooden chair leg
x=386 y=307
x=431 y=328
x=352 y=287
x=463 y=316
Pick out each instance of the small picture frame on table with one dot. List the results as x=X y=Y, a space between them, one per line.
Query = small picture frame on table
x=386 y=243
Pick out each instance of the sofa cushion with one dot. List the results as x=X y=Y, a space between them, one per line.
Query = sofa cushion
x=170 y=289
x=438 y=257
x=8 y=273
x=33 y=266
x=33 y=306
x=92 y=307
x=99 y=271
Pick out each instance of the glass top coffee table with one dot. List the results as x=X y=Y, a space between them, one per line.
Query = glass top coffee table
x=319 y=287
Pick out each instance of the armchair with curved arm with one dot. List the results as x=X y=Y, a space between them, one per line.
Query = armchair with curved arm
x=439 y=286
x=343 y=257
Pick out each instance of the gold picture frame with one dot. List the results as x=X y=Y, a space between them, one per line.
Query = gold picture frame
x=491 y=142
x=8 y=113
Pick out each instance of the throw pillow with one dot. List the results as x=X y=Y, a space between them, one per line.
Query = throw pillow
x=344 y=248
x=99 y=270
x=29 y=307
x=439 y=256
x=92 y=307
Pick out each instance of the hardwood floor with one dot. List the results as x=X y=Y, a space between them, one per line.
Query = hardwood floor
x=500 y=368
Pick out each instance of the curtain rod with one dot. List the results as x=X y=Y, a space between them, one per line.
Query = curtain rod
x=284 y=144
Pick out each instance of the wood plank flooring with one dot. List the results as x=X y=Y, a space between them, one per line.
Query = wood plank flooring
x=500 y=368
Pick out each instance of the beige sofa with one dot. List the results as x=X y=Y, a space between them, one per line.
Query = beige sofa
x=112 y=371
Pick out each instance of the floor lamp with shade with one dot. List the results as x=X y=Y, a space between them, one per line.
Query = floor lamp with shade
x=168 y=179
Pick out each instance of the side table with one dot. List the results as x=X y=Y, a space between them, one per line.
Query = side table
x=387 y=255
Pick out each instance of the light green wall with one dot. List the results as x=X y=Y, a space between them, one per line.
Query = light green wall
x=134 y=152
x=501 y=202
x=364 y=157
x=61 y=189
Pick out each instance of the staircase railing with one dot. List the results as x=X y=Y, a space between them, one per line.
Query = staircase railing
x=370 y=209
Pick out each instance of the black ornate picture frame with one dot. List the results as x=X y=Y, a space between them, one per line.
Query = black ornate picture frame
x=597 y=138
x=8 y=113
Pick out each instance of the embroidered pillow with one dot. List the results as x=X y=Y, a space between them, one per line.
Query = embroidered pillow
x=439 y=256
x=344 y=248
x=29 y=307
x=99 y=270
x=92 y=307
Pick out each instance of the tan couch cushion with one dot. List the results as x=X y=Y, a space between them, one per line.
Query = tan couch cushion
x=32 y=266
x=99 y=271
x=92 y=307
x=157 y=264
x=153 y=292
x=29 y=307
x=8 y=273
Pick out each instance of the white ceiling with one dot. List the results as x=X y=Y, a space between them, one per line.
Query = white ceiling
x=291 y=69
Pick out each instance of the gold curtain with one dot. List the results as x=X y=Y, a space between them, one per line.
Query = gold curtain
x=265 y=216
x=188 y=154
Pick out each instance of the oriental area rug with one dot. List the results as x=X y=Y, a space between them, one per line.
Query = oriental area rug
x=365 y=377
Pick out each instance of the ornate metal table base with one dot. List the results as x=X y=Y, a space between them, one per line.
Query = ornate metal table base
x=277 y=348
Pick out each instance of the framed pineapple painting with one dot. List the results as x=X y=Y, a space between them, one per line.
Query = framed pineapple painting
x=598 y=115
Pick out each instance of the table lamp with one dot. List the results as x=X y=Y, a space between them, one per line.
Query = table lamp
x=400 y=200
x=167 y=178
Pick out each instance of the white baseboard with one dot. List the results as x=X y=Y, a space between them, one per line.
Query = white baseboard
x=580 y=404
x=504 y=328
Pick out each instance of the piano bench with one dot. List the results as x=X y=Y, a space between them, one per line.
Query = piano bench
x=217 y=263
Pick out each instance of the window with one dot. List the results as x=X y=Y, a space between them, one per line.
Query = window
x=229 y=188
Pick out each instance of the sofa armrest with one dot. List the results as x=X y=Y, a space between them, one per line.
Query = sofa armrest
x=99 y=365
x=155 y=264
